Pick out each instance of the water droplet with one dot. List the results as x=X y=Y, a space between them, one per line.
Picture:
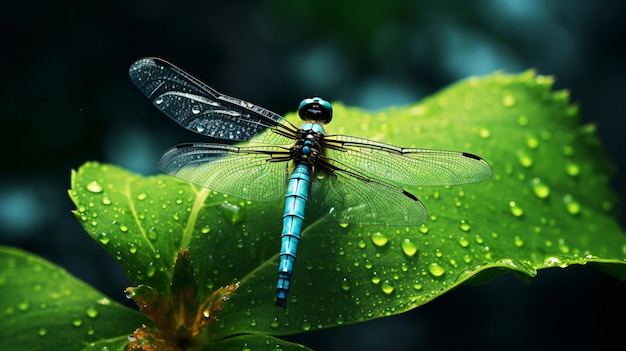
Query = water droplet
x=484 y=133
x=541 y=189
x=150 y=270
x=232 y=213
x=508 y=100
x=152 y=233
x=274 y=323
x=142 y=196
x=463 y=242
x=195 y=109
x=387 y=287
x=436 y=270
x=42 y=332
x=532 y=142
x=409 y=248
x=345 y=285
x=105 y=200
x=464 y=226
x=379 y=239
x=375 y=278
x=132 y=249
x=572 y=169
x=253 y=323
x=340 y=320
x=205 y=229
x=94 y=187
x=518 y=241
x=23 y=306
x=572 y=206
x=158 y=100
x=524 y=159
x=103 y=238
x=123 y=228
x=77 y=322
x=305 y=326
x=516 y=210
x=91 y=312
x=568 y=150
x=522 y=120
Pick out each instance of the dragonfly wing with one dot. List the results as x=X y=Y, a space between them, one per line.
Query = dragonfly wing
x=247 y=172
x=404 y=166
x=347 y=199
x=198 y=107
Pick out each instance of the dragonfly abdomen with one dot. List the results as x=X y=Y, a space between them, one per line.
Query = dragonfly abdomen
x=293 y=217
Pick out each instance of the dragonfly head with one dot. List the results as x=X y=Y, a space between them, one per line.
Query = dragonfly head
x=315 y=109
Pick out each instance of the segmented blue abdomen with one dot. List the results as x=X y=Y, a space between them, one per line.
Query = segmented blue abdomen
x=293 y=217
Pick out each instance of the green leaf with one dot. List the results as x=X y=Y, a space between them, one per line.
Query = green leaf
x=45 y=308
x=548 y=205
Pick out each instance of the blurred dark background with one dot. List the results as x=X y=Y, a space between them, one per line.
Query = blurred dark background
x=66 y=98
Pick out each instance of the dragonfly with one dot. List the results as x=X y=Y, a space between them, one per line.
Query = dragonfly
x=345 y=178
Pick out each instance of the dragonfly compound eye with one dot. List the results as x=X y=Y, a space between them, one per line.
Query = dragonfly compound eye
x=315 y=109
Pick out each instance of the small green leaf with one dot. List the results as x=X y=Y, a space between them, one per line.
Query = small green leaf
x=45 y=308
x=548 y=205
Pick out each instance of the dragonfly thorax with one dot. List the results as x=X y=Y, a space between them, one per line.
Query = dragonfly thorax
x=308 y=146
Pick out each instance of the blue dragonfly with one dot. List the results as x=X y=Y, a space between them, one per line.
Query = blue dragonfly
x=348 y=179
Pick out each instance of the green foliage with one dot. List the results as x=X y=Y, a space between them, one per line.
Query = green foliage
x=548 y=205
x=45 y=308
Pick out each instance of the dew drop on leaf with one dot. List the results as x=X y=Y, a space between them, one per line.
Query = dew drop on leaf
x=375 y=278
x=142 y=196
x=274 y=323
x=540 y=189
x=345 y=285
x=152 y=233
x=105 y=200
x=522 y=120
x=232 y=213
x=518 y=241
x=436 y=270
x=464 y=226
x=103 y=238
x=524 y=159
x=508 y=100
x=305 y=325
x=94 y=187
x=463 y=242
x=409 y=248
x=572 y=169
x=77 y=322
x=387 y=287
x=91 y=312
x=340 y=319
x=532 y=142
x=571 y=205
x=379 y=239
x=516 y=210
x=23 y=306
x=484 y=133
x=42 y=332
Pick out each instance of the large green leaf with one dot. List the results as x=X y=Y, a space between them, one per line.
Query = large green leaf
x=45 y=308
x=548 y=205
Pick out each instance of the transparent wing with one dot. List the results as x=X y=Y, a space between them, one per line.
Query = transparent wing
x=249 y=172
x=402 y=166
x=360 y=201
x=198 y=107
